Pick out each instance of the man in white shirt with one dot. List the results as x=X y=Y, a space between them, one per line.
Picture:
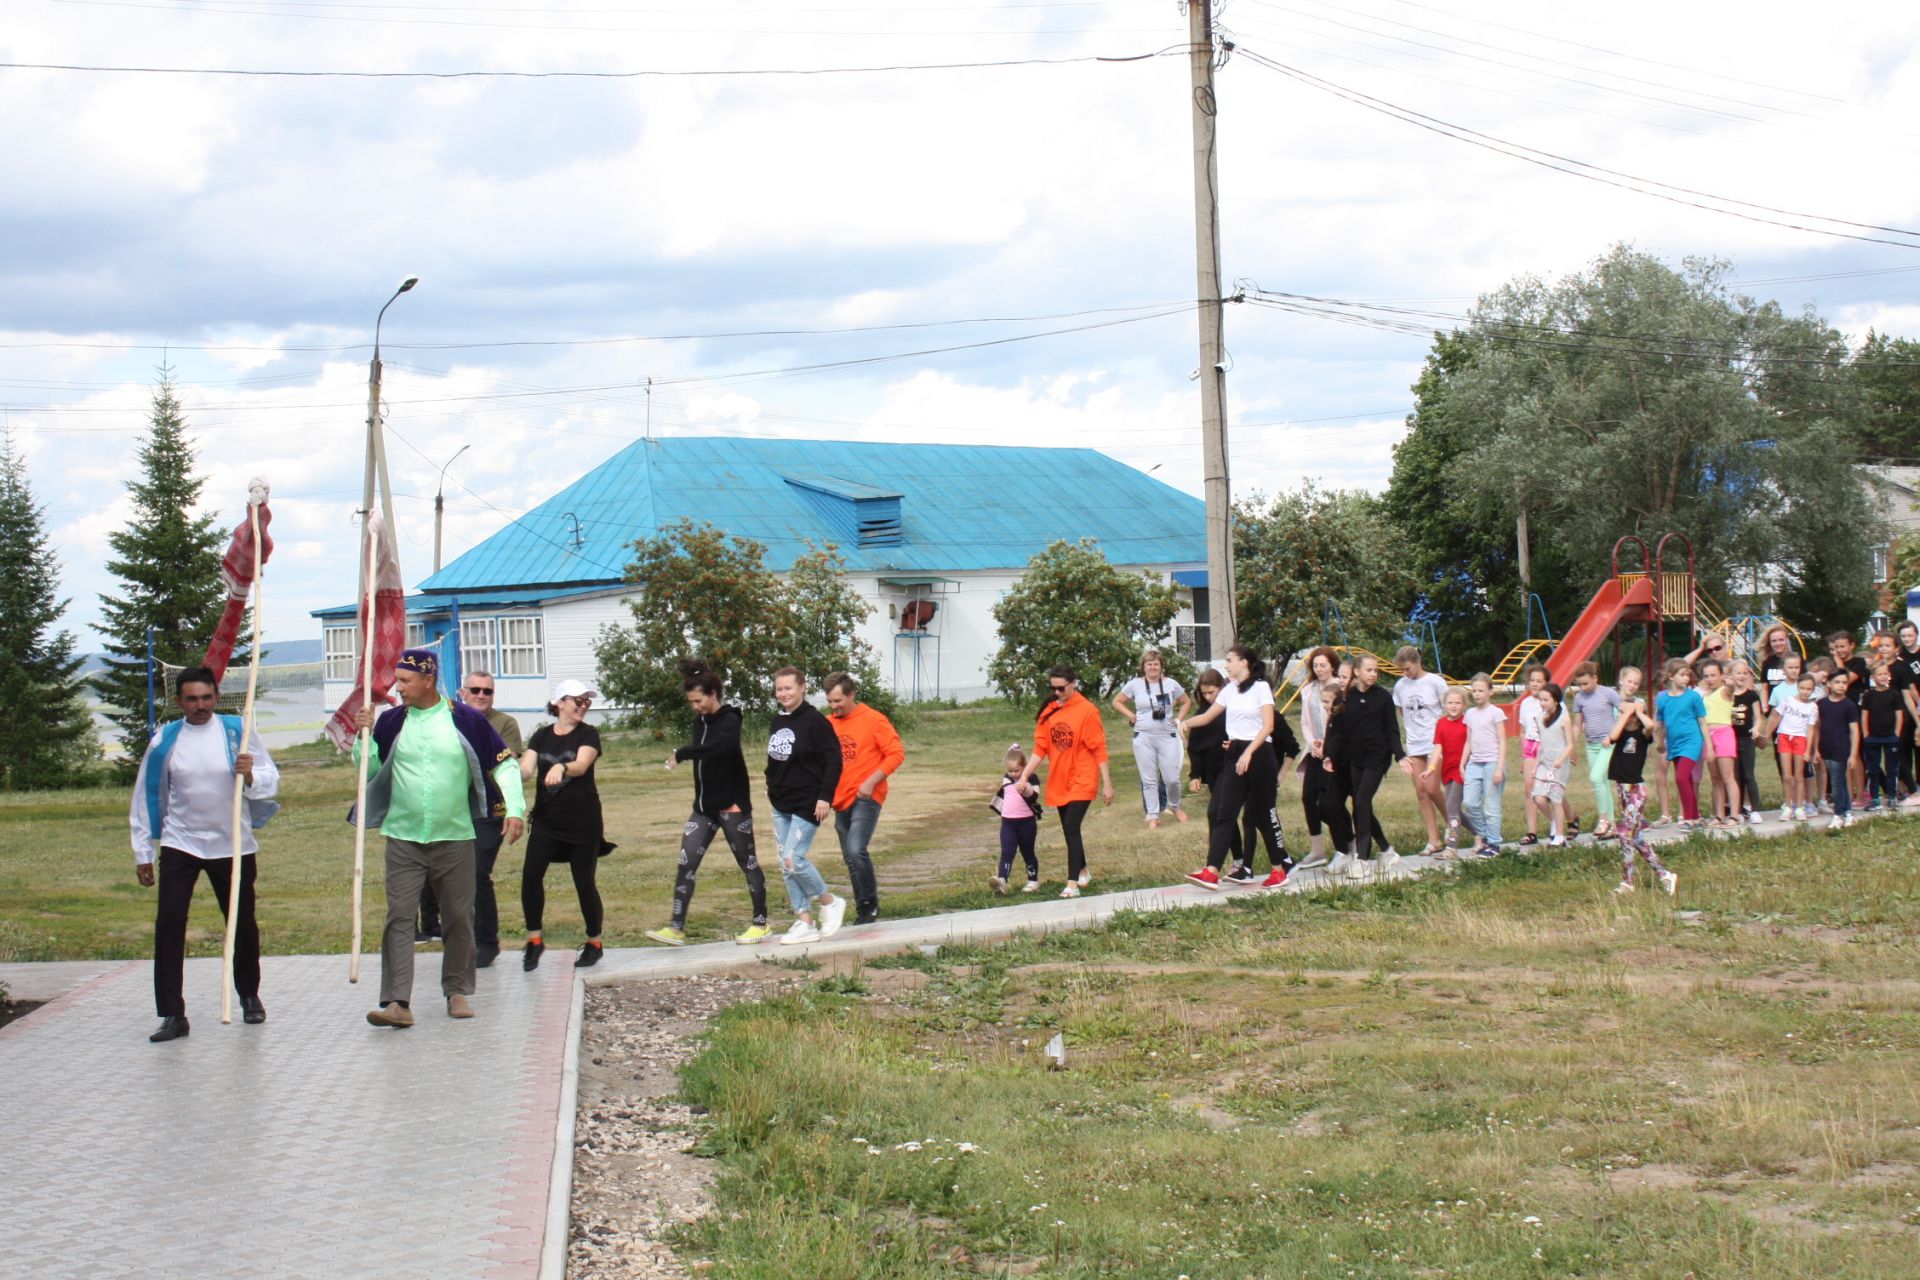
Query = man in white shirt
x=183 y=810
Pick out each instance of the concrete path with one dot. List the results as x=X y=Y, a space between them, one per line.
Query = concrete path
x=317 y=1146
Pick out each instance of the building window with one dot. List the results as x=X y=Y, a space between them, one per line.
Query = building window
x=1880 y=573
x=522 y=652
x=342 y=646
x=476 y=644
x=416 y=635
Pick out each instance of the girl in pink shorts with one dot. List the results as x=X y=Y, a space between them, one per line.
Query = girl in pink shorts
x=1530 y=715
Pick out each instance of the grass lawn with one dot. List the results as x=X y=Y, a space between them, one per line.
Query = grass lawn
x=1508 y=1073
x=66 y=870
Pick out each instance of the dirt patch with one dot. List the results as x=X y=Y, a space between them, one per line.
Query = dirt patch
x=634 y=1178
x=10 y=1010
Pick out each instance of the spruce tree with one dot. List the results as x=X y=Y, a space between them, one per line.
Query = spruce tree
x=51 y=740
x=168 y=562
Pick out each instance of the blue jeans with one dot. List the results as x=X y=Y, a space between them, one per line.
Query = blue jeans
x=854 y=825
x=793 y=835
x=1883 y=766
x=1482 y=799
x=1837 y=785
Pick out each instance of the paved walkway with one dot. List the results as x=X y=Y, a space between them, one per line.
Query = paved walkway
x=317 y=1146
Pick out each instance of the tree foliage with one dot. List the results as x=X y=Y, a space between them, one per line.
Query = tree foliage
x=1301 y=548
x=706 y=594
x=51 y=741
x=1886 y=373
x=1630 y=398
x=1071 y=606
x=168 y=563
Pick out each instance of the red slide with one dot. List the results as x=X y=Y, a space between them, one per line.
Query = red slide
x=1609 y=607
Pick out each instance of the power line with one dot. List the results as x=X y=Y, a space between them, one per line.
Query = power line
x=652 y=73
x=1580 y=168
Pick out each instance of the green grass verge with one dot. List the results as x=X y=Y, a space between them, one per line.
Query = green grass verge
x=1511 y=1073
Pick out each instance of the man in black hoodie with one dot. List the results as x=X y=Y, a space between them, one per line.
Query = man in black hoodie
x=803 y=771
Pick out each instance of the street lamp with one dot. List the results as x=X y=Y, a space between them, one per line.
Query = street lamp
x=440 y=504
x=376 y=447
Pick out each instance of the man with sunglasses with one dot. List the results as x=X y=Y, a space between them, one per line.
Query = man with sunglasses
x=477 y=692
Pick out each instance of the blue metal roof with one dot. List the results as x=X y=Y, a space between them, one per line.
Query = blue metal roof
x=440 y=602
x=961 y=507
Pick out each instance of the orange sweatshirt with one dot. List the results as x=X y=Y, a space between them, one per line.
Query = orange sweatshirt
x=868 y=741
x=1071 y=736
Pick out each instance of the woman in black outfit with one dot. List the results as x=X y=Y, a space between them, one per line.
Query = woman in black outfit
x=1366 y=736
x=1207 y=752
x=565 y=824
x=722 y=803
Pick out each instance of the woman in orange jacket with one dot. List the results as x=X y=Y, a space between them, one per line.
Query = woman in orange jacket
x=1069 y=733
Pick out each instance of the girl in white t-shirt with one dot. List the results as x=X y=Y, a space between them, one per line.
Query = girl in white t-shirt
x=1248 y=789
x=1530 y=715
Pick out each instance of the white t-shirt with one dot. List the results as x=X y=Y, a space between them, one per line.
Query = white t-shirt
x=1797 y=718
x=1421 y=700
x=1242 y=710
x=1147 y=695
x=1486 y=733
x=1530 y=717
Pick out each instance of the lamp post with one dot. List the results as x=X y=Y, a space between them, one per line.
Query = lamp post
x=376 y=447
x=440 y=504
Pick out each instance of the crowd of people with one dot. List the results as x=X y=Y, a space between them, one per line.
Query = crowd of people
x=448 y=779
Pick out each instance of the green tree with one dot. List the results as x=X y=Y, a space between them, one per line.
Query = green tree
x=1298 y=549
x=1073 y=607
x=1886 y=374
x=1631 y=398
x=168 y=562
x=41 y=695
x=706 y=594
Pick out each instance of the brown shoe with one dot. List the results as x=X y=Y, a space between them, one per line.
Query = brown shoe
x=393 y=1014
x=457 y=1007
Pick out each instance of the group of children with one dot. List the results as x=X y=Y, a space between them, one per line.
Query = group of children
x=1841 y=727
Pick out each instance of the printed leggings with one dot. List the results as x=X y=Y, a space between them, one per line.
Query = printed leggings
x=1251 y=799
x=699 y=832
x=1016 y=836
x=1633 y=825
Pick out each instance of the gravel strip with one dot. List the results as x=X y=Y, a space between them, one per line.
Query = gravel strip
x=633 y=1179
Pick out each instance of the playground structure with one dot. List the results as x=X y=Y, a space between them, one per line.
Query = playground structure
x=1661 y=597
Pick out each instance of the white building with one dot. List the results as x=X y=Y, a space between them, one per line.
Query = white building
x=933 y=537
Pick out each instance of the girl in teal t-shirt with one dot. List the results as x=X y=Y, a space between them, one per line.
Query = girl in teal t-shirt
x=1681 y=715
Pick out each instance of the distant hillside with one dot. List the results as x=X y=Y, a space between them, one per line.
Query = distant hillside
x=281 y=653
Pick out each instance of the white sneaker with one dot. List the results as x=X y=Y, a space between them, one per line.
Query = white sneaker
x=1338 y=865
x=1669 y=882
x=831 y=914
x=1753 y=816
x=1806 y=813
x=1392 y=852
x=1388 y=861
x=1030 y=886
x=1085 y=878
x=1624 y=887
x=1071 y=891
x=1850 y=819
x=1359 y=868
x=1835 y=823
x=1557 y=842
x=1787 y=813
x=802 y=931
x=997 y=883
x=1314 y=862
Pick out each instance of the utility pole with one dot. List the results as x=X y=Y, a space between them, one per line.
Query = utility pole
x=1213 y=346
x=440 y=504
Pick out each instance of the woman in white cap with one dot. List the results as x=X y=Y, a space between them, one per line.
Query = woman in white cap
x=566 y=824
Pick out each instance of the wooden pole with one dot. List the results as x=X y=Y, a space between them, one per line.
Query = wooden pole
x=239 y=783
x=366 y=752
x=1214 y=459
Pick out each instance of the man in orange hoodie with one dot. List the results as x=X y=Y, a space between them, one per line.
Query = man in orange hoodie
x=869 y=750
x=1069 y=733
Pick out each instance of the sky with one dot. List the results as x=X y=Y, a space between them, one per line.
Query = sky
x=823 y=255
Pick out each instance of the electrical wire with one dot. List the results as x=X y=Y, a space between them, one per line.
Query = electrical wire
x=1582 y=169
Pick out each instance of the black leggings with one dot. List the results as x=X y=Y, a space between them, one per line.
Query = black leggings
x=1363 y=779
x=1016 y=836
x=582 y=858
x=699 y=832
x=1744 y=751
x=1249 y=799
x=1313 y=785
x=1336 y=792
x=1072 y=814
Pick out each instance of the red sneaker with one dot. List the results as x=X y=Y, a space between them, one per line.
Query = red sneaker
x=1275 y=878
x=1205 y=877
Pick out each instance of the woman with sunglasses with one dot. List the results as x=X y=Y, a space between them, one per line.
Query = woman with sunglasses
x=1068 y=734
x=566 y=823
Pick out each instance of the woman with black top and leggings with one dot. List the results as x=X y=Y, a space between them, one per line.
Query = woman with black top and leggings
x=1247 y=789
x=722 y=803
x=1366 y=736
x=565 y=825
x=1207 y=754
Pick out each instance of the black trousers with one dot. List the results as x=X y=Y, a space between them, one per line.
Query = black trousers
x=1313 y=787
x=179 y=873
x=1745 y=749
x=582 y=858
x=1363 y=780
x=1909 y=749
x=1250 y=800
x=1072 y=814
x=488 y=835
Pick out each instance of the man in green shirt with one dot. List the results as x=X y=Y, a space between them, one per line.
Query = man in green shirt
x=442 y=770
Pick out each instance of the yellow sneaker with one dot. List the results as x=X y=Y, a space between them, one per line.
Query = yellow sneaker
x=754 y=934
x=668 y=934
